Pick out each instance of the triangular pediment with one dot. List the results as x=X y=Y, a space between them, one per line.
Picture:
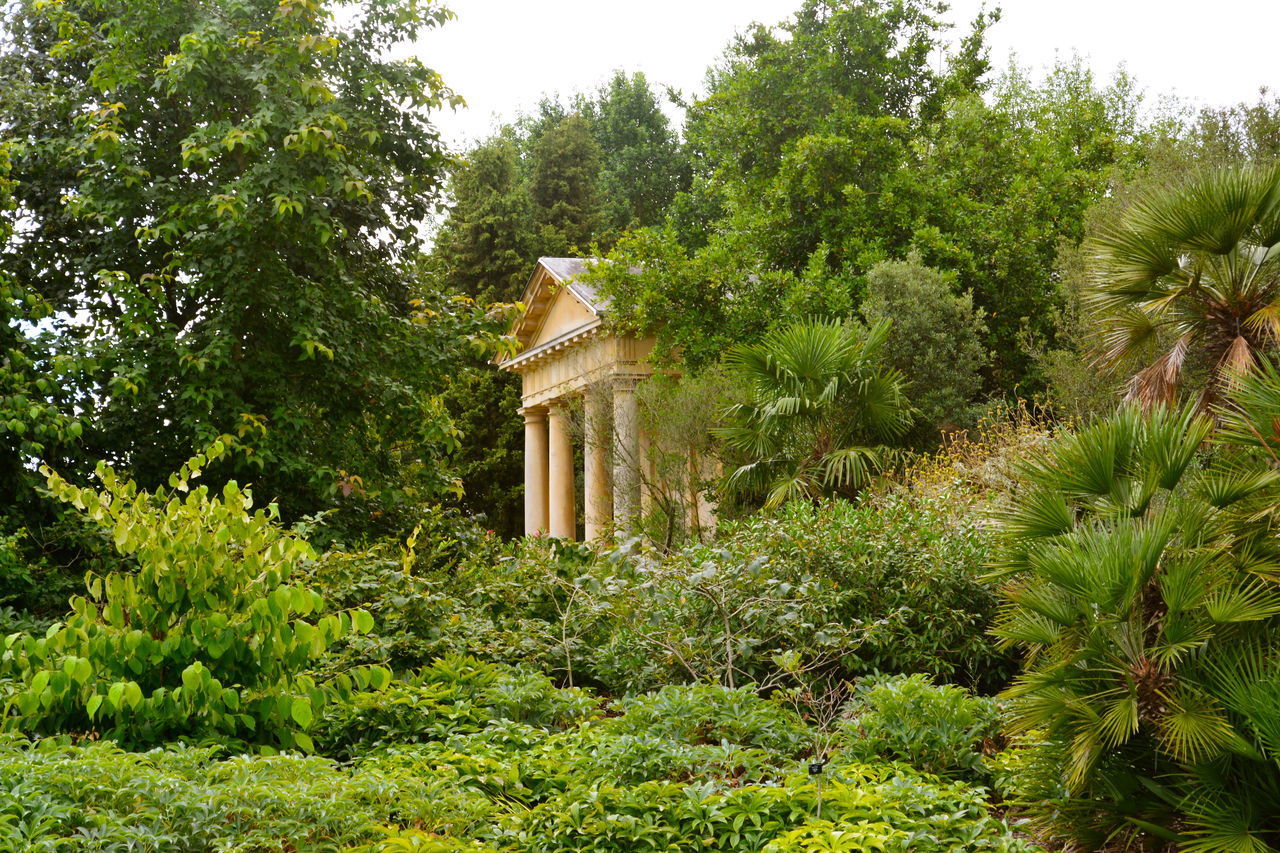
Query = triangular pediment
x=565 y=316
x=554 y=305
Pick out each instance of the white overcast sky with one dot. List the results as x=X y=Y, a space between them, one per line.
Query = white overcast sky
x=503 y=55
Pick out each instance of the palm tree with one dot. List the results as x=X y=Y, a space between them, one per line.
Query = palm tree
x=821 y=404
x=1140 y=582
x=1193 y=275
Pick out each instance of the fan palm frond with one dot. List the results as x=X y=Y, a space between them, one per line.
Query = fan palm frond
x=1193 y=267
x=821 y=401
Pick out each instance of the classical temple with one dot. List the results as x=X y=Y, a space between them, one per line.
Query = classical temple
x=579 y=384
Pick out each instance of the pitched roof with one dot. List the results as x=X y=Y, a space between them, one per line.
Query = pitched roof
x=550 y=276
x=566 y=271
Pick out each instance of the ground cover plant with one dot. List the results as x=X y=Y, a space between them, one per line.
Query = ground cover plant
x=726 y=774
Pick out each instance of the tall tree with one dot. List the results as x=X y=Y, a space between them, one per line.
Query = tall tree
x=221 y=201
x=483 y=249
x=643 y=166
x=565 y=187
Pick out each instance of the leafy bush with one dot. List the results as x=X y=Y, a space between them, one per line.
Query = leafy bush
x=936 y=729
x=937 y=340
x=878 y=808
x=207 y=637
x=686 y=769
x=454 y=695
x=95 y=797
x=888 y=584
x=711 y=714
x=415 y=618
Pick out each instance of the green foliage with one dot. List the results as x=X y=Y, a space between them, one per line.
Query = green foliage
x=905 y=571
x=1188 y=280
x=821 y=402
x=490 y=463
x=711 y=714
x=832 y=143
x=865 y=808
x=678 y=414
x=416 y=619
x=564 y=187
x=935 y=340
x=484 y=248
x=936 y=729
x=453 y=695
x=889 y=584
x=208 y=637
x=685 y=769
x=642 y=165
x=238 y=264
x=1141 y=587
x=96 y=798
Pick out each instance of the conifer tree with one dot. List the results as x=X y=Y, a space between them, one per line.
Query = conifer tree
x=484 y=249
x=644 y=166
x=565 y=187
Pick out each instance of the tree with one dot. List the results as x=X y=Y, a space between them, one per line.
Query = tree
x=642 y=165
x=564 y=187
x=1140 y=584
x=821 y=401
x=1007 y=179
x=1192 y=273
x=484 y=402
x=220 y=201
x=833 y=143
x=935 y=340
x=484 y=248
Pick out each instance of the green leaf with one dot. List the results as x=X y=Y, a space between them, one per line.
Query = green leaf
x=301 y=712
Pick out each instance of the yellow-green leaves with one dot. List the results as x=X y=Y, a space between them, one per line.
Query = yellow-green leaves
x=207 y=635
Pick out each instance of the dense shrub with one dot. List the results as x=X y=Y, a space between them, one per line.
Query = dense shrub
x=890 y=583
x=936 y=729
x=207 y=638
x=686 y=769
x=711 y=714
x=452 y=696
x=863 y=808
x=937 y=341
x=95 y=797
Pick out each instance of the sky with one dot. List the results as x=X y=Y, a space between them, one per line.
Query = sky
x=502 y=56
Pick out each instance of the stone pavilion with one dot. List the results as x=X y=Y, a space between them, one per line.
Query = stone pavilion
x=569 y=364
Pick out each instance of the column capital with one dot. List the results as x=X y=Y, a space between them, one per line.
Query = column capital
x=534 y=414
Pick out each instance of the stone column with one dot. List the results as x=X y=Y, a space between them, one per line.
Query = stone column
x=595 y=463
x=562 y=518
x=626 y=452
x=535 y=471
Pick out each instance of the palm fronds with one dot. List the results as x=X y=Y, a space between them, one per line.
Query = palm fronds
x=1133 y=567
x=1191 y=274
x=821 y=405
